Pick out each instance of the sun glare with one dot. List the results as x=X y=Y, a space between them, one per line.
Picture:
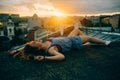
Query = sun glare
x=56 y=13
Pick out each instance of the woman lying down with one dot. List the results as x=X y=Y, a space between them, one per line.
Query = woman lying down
x=55 y=47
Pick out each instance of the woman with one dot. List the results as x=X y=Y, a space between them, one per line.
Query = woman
x=56 y=46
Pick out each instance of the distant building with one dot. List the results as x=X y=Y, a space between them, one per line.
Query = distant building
x=1 y=29
x=10 y=28
x=95 y=19
x=23 y=26
x=115 y=22
x=4 y=17
x=15 y=15
x=34 y=34
x=7 y=27
x=34 y=21
x=105 y=20
x=21 y=30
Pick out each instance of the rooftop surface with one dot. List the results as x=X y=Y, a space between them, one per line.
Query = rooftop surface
x=93 y=62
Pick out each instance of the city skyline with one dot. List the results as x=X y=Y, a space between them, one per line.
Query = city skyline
x=59 y=7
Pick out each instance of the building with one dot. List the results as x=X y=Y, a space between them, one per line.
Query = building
x=10 y=28
x=4 y=17
x=1 y=29
x=7 y=27
x=34 y=34
x=95 y=20
x=115 y=22
x=34 y=21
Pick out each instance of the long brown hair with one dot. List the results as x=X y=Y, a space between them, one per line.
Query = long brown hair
x=21 y=55
x=29 y=51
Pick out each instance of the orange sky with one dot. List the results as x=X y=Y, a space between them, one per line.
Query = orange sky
x=59 y=7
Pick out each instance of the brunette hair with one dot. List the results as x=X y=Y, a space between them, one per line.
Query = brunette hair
x=33 y=50
x=30 y=49
x=28 y=52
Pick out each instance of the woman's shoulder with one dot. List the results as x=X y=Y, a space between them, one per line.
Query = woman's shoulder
x=52 y=48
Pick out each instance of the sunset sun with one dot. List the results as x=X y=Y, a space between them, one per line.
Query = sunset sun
x=57 y=13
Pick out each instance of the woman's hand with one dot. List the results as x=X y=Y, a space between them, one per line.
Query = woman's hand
x=39 y=58
x=12 y=52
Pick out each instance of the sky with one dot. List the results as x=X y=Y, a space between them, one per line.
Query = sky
x=55 y=7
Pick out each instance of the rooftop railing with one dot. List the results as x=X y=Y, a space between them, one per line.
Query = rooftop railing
x=106 y=30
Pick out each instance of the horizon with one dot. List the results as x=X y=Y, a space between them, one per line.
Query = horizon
x=103 y=14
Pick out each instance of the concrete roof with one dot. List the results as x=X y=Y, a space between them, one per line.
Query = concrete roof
x=95 y=62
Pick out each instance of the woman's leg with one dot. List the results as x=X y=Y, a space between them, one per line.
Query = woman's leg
x=75 y=32
x=92 y=39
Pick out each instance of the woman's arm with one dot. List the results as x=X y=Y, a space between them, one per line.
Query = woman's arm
x=12 y=52
x=55 y=55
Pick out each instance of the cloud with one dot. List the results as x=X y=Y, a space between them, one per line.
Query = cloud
x=21 y=6
x=87 y=6
x=66 y=6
